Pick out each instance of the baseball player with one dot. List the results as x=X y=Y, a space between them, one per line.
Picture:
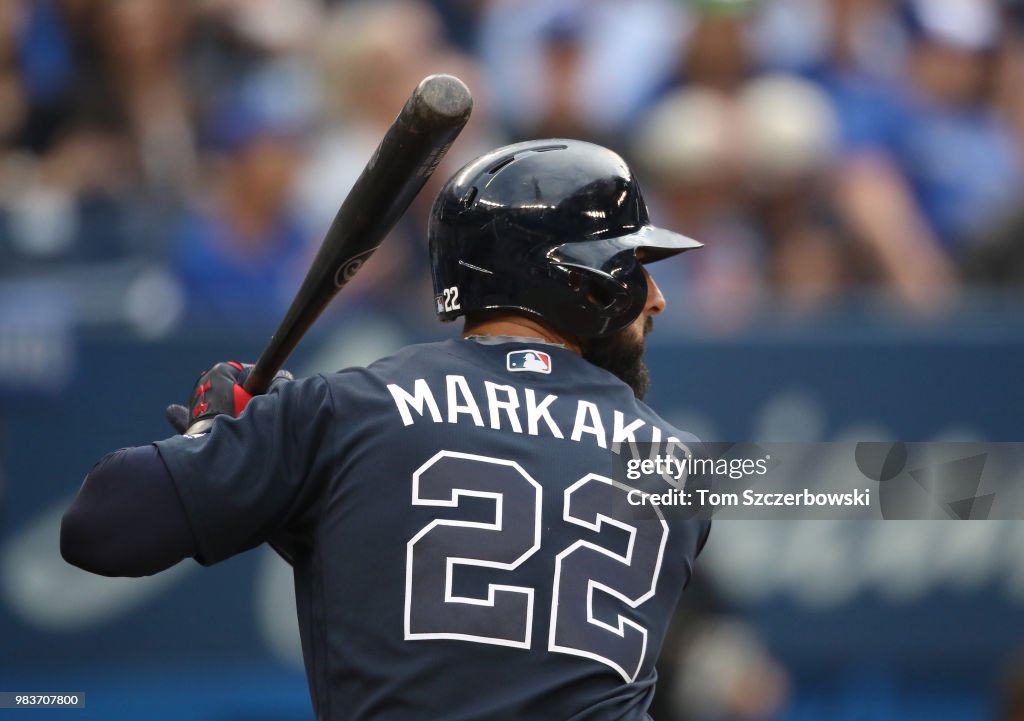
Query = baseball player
x=460 y=550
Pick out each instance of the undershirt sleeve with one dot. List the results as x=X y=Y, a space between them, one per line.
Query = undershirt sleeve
x=127 y=519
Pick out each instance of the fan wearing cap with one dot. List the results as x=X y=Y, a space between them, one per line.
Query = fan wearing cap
x=463 y=547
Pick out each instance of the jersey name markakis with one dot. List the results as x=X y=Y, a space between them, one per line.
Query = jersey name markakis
x=506 y=409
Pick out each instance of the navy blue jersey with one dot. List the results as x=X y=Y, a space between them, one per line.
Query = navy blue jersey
x=457 y=539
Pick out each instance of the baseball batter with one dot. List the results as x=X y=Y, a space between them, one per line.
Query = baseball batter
x=459 y=546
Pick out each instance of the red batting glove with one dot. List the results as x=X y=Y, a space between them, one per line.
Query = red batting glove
x=218 y=391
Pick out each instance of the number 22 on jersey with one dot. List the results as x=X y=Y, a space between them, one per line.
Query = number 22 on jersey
x=582 y=569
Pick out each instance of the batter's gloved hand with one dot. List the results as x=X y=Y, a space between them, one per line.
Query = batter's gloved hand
x=219 y=390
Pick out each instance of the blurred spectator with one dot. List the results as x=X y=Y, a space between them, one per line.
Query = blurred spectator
x=749 y=175
x=71 y=205
x=789 y=134
x=997 y=256
x=105 y=140
x=714 y=667
x=587 y=66
x=562 y=55
x=371 y=55
x=15 y=72
x=37 y=43
x=717 y=54
x=962 y=160
x=264 y=26
x=241 y=252
x=1010 y=67
x=795 y=35
x=231 y=40
x=727 y=674
x=140 y=45
x=687 y=147
x=871 y=191
x=461 y=18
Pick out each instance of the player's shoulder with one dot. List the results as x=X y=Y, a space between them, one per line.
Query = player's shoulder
x=408 y=363
x=428 y=353
x=416 y=360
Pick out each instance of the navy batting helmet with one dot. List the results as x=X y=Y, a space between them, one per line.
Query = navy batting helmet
x=553 y=228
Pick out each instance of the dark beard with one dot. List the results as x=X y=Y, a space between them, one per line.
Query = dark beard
x=622 y=355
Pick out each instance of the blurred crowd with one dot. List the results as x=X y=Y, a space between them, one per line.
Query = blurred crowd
x=821 y=149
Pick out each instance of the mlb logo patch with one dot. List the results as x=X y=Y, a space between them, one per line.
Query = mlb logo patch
x=528 y=360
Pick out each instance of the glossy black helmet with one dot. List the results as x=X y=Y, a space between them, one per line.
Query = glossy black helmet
x=552 y=228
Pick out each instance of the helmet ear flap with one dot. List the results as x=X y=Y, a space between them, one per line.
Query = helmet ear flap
x=603 y=303
x=620 y=296
x=603 y=295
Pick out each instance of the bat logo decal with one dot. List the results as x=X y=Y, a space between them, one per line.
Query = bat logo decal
x=350 y=267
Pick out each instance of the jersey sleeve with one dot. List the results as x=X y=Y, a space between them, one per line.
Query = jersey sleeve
x=250 y=477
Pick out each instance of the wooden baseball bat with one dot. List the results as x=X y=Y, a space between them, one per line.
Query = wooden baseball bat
x=411 y=149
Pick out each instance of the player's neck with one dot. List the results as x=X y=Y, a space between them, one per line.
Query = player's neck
x=520 y=327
